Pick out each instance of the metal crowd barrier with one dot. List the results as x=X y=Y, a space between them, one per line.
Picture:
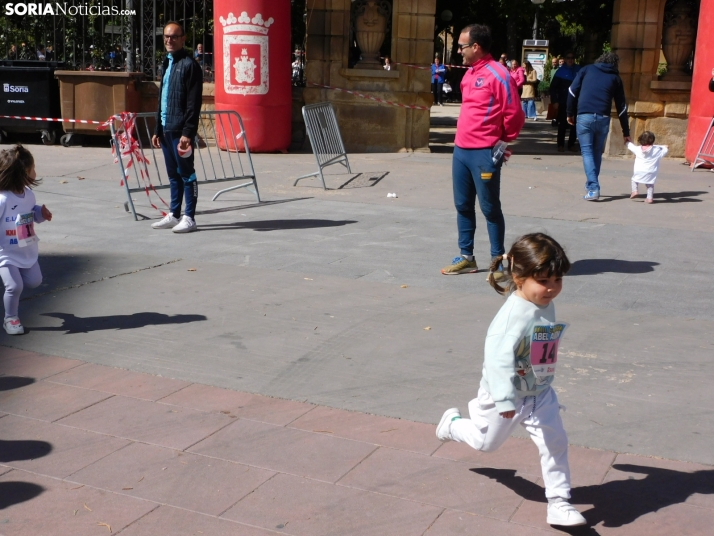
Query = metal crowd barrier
x=325 y=139
x=705 y=155
x=213 y=163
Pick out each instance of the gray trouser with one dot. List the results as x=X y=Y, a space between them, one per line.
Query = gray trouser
x=15 y=280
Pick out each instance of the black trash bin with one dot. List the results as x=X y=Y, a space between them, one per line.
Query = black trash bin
x=29 y=88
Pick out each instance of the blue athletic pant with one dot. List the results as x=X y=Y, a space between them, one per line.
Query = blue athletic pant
x=475 y=175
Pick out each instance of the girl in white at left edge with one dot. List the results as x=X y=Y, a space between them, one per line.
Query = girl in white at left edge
x=19 y=267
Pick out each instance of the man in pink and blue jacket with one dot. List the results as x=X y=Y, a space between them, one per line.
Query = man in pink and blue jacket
x=490 y=112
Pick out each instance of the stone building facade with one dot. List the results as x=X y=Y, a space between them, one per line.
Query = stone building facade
x=644 y=33
x=368 y=126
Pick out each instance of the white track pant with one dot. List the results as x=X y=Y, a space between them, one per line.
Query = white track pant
x=486 y=430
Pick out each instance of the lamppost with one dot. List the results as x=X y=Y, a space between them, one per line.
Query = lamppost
x=535 y=22
x=446 y=16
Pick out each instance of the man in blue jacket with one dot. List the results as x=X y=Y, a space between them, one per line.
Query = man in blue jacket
x=590 y=95
x=177 y=118
x=438 y=77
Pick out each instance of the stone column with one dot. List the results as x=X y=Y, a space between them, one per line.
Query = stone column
x=369 y=126
x=660 y=106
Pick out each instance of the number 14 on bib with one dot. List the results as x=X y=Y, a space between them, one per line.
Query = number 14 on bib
x=545 y=339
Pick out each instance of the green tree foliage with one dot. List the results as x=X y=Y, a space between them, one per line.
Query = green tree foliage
x=582 y=26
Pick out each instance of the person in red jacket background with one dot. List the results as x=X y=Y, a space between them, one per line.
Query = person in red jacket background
x=490 y=113
x=518 y=74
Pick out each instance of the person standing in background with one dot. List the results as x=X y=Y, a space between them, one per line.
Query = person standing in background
x=180 y=97
x=529 y=91
x=438 y=77
x=518 y=75
x=564 y=76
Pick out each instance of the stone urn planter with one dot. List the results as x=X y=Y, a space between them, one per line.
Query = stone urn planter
x=678 y=37
x=370 y=19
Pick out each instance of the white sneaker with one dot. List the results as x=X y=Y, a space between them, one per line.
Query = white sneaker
x=564 y=514
x=12 y=326
x=443 y=431
x=167 y=222
x=186 y=225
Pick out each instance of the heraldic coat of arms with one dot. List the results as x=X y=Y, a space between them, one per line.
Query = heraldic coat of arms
x=245 y=54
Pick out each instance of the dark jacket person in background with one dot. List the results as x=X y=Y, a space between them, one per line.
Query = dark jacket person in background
x=176 y=126
x=559 y=85
x=591 y=95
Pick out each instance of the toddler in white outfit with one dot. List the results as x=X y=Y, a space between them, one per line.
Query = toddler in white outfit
x=647 y=159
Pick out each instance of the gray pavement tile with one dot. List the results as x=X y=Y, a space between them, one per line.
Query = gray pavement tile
x=452 y=523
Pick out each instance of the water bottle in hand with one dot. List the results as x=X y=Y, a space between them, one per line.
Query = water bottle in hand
x=498 y=151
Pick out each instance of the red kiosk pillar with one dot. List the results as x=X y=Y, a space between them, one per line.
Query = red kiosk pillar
x=701 y=106
x=253 y=69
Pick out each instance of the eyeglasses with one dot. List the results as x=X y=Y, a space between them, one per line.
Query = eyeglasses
x=463 y=46
x=172 y=37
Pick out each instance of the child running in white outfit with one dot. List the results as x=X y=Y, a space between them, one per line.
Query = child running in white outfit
x=18 y=242
x=520 y=358
x=647 y=159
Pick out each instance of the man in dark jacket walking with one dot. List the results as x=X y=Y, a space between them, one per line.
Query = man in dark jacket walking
x=591 y=95
x=176 y=127
x=559 y=85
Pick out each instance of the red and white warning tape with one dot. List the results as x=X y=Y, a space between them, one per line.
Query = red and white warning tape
x=370 y=97
x=55 y=119
x=413 y=66
x=130 y=151
x=129 y=148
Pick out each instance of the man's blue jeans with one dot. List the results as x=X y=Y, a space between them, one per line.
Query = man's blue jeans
x=474 y=174
x=182 y=176
x=592 y=132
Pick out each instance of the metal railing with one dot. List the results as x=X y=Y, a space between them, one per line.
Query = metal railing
x=705 y=155
x=217 y=154
x=325 y=139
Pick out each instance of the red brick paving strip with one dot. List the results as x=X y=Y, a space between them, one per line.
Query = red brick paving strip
x=147 y=455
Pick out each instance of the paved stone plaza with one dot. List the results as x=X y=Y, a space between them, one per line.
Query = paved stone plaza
x=281 y=370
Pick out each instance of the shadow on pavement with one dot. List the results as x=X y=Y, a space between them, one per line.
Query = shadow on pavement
x=669 y=197
x=75 y=324
x=615 y=266
x=14 y=382
x=24 y=449
x=249 y=205
x=17 y=492
x=276 y=225
x=363 y=180
x=619 y=502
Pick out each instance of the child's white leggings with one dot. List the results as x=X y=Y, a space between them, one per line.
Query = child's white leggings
x=15 y=280
x=486 y=430
x=650 y=189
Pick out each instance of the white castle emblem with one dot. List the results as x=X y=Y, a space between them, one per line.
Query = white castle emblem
x=245 y=73
x=245 y=68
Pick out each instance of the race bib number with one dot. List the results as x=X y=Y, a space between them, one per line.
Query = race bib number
x=25 y=229
x=545 y=340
